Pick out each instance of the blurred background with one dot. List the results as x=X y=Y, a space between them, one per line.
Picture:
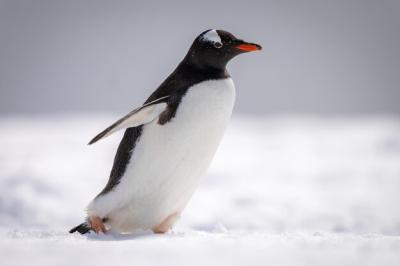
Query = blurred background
x=335 y=57
x=309 y=166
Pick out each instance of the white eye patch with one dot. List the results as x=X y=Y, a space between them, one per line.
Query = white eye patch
x=212 y=36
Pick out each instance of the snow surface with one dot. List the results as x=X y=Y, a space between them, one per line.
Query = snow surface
x=282 y=190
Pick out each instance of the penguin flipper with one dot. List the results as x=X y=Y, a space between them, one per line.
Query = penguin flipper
x=140 y=116
x=83 y=228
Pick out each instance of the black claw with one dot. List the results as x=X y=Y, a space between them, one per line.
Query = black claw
x=83 y=228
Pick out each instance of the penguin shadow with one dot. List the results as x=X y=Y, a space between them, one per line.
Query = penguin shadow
x=115 y=236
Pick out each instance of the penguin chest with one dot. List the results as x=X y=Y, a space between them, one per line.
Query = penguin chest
x=169 y=159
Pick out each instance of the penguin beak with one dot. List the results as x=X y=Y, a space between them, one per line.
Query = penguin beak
x=248 y=47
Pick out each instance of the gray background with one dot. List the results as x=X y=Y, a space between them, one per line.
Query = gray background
x=330 y=57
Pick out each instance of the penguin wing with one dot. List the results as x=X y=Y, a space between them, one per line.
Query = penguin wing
x=140 y=116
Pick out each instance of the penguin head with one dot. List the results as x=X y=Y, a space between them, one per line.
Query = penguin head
x=215 y=48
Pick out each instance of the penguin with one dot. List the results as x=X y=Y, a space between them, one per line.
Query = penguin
x=169 y=141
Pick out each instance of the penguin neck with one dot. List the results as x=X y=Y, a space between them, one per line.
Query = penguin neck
x=191 y=64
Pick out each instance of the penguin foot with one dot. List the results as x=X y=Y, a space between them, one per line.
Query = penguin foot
x=82 y=228
x=97 y=225
x=167 y=224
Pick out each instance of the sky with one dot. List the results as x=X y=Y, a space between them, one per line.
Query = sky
x=322 y=57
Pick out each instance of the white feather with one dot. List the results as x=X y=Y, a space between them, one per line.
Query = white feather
x=169 y=159
x=137 y=117
x=211 y=36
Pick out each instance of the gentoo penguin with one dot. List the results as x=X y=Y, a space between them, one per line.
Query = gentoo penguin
x=169 y=141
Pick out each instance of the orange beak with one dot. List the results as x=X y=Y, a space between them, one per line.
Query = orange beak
x=249 y=47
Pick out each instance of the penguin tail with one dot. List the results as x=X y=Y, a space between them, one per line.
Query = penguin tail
x=83 y=228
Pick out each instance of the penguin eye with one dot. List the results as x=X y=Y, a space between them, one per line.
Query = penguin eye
x=217 y=45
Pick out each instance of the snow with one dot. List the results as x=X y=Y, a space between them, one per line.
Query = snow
x=282 y=190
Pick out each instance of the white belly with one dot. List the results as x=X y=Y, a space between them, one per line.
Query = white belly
x=169 y=159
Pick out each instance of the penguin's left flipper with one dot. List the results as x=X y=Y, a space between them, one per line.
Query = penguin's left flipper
x=140 y=116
